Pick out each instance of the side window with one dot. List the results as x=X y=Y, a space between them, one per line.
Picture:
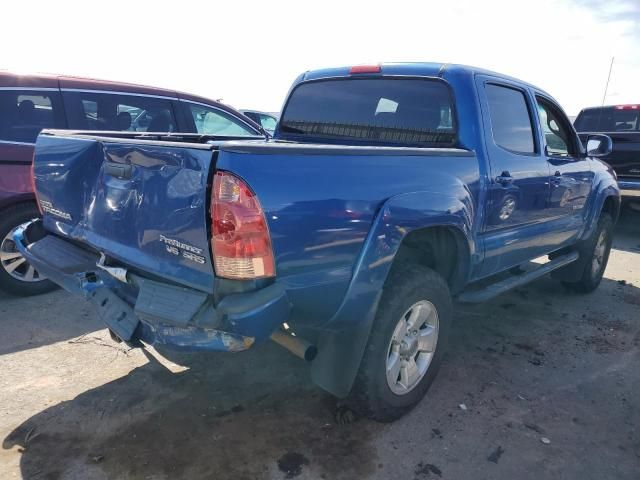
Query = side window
x=127 y=113
x=268 y=122
x=24 y=113
x=211 y=121
x=510 y=119
x=556 y=130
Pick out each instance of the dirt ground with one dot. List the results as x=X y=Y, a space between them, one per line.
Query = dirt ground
x=537 y=384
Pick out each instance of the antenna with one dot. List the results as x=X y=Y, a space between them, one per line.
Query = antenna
x=606 y=87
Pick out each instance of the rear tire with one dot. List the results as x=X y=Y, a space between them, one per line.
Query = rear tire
x=406 y=345
x=595 y=251
x=16 y=275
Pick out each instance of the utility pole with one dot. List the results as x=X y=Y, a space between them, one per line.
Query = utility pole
x=606 y=87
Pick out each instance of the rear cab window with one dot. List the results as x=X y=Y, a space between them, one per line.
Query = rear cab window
x=117 y=112
x=622 y=118
x=387 y=111
x=24 y=113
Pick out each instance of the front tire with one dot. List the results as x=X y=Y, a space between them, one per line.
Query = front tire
x=406 y=345
x=595 y=251
x=16 y=275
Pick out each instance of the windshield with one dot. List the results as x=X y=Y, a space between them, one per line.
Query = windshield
x=608 y=119
x=372 y=110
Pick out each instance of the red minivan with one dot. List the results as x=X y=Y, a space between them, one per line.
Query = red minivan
x=29 y=103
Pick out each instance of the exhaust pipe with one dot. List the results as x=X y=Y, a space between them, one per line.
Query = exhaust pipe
x=296 y=345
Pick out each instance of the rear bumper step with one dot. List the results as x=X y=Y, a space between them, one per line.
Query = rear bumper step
x=154 y=311
x=495 y=289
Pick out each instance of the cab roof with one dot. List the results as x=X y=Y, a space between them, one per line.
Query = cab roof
x=426 y=69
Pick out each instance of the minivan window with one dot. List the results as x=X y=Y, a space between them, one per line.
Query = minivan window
x=24 y=113
x=406 y=111
x=115 y=112
x=212 y=121
x=510 y=119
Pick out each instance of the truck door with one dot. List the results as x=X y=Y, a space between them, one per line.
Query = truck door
x=571 y=175
x=517 y=210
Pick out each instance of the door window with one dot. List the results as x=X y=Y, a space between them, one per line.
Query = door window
x=211 y=121
x=115 y=112
x=510 y=119
x=24 y=113
x=556 y=130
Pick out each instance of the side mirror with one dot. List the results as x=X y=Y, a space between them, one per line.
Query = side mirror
x=599 y=145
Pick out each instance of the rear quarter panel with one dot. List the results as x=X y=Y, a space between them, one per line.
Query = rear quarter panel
x=321 y=209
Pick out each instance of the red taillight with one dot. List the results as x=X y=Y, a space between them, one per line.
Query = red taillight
x=33 y=183
x=240 y=242
x=627 y=107
x=364 y=69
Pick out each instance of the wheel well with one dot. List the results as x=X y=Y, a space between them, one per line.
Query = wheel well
x=612 y=207
x=443 y=249
x=18 y=204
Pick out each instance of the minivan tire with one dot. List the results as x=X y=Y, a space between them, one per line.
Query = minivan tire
x=11 y=218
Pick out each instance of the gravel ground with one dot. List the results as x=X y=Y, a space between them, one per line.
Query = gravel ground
x=538 y=383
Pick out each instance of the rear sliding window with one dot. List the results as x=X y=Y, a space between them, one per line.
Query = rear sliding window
x=608 y=119
x=388 y=111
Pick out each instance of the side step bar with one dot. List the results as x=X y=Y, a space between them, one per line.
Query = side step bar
x=495 y=289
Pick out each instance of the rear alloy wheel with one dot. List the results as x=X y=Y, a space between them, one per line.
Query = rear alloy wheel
x=412 y=346
x=17 y=276
x=406 y=344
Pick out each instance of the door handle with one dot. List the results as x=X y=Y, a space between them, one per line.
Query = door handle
x=118 y=170
x=557 y=178
x=504 y=178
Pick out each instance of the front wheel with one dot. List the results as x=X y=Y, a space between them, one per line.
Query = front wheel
x=406 y=345
x=595 y=252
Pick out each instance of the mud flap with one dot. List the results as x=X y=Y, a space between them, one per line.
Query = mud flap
x=339 y=356
x=114 y=312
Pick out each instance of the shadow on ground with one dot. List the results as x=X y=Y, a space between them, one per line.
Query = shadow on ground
x=526 y=365
x=627 y=233
x=241 y=416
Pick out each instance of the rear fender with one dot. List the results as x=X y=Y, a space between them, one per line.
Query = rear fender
x=342 y=343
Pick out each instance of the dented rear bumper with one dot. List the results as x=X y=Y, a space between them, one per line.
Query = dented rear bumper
x=152 y=310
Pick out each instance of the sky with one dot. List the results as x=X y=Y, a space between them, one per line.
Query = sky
x=248 y=53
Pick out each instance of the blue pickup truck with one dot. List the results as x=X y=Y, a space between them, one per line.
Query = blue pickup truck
x=386 y=192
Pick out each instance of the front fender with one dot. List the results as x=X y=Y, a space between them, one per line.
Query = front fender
x=605 y=186
x=341 y=346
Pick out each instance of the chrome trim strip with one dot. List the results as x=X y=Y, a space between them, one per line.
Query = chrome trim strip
x=629 y=193
x=41 y=89
x=113 y=92
x=17 y=143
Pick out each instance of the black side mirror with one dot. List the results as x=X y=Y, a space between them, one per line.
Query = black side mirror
x=599 y=145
